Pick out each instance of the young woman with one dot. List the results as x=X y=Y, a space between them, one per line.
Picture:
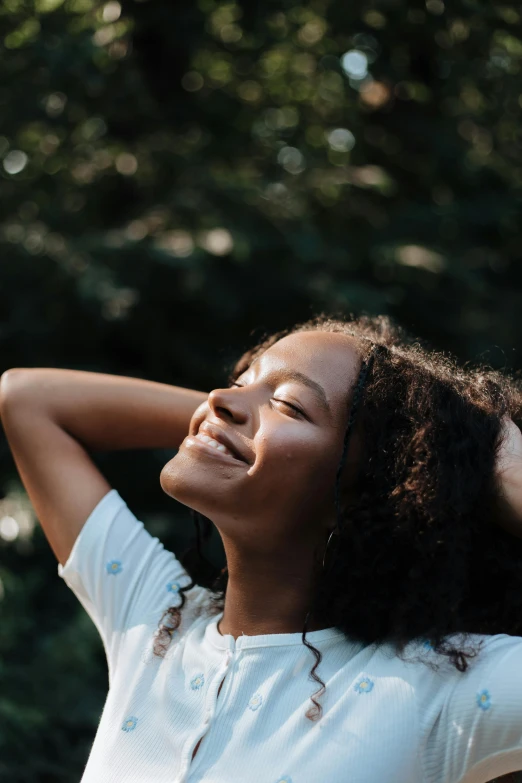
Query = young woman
x=367 y=626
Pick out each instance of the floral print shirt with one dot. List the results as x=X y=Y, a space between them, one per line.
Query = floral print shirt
x=242 y=702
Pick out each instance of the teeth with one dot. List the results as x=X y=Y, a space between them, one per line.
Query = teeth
x=214 y=443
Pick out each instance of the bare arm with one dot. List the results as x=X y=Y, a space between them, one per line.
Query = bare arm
x=53 y=417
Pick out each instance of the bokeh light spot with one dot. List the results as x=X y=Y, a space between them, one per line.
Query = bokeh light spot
x=341 y=139
x=111 y=11
x=435 y=7
x=126 y=164
x=375 y=94
x=9 y=528
x=355 y=64
x=178 y=243
x=416 y=255
x=218 y=241
x=15 y=161
x=55 y=104
x=291 y=159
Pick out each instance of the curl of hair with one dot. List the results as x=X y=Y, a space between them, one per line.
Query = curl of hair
x=419 y=553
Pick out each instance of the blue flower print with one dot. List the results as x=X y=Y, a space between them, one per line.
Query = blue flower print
x=114 y=567
x=484 y=699
x=197 y=682
x=255 y=702
x=285 y=779
x=129 y=724
x=173 y=587
x=363 y=685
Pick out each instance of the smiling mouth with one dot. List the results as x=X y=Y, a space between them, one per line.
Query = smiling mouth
x=213 y=446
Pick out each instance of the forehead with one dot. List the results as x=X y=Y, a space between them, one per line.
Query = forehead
x=331 y=359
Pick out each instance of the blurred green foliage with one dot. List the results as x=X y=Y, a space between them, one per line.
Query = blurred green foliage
x=176 y=179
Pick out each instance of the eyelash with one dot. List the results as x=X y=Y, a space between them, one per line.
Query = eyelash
x=293 y=407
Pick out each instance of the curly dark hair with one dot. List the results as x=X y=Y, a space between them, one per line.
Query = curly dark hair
x=419 y=554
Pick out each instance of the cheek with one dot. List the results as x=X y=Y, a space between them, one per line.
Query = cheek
x=291 y=455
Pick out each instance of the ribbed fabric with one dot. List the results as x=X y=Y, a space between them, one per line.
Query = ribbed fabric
x=384 y=720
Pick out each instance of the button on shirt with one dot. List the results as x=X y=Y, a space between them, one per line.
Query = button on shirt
x=384 y=719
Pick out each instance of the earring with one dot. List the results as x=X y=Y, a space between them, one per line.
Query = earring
x=334 y=531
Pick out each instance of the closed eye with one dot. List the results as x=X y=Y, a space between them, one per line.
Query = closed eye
x=289 y=404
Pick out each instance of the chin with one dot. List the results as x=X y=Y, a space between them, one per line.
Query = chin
x=202 y=489
x=181 y=480
x=176 y=479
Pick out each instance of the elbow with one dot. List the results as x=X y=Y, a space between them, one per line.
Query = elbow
x=14 y=387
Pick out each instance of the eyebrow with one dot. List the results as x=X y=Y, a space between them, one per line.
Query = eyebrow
x=299 y=377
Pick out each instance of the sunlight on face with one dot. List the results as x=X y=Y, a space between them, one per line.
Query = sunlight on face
x=280 y=427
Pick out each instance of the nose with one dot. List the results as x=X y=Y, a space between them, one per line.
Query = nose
x=227 y=404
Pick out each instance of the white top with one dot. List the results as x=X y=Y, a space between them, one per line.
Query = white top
x=383 y=720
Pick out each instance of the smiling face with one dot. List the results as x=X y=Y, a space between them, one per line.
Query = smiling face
x=285 y=419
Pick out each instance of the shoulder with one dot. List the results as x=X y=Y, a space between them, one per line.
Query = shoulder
x=433 y=678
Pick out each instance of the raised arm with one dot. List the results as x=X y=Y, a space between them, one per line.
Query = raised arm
x=53 y=417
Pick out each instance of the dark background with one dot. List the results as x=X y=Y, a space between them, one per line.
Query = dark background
x=177 y=179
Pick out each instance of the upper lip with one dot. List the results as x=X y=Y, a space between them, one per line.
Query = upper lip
x=216 y=432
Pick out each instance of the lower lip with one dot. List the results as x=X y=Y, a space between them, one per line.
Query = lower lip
x=191 y=442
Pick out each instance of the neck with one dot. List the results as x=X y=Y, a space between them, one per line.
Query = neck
x=268 y=596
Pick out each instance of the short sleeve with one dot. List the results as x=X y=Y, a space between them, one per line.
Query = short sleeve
x=478 y=734
x=120 y=573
